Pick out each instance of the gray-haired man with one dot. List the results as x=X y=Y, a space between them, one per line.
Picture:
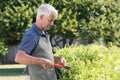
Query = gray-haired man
x=35 y=48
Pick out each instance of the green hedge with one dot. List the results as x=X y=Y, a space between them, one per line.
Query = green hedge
x=91 y=62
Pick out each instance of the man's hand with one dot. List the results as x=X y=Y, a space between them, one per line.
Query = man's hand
x=46 y=63
x=60 y=62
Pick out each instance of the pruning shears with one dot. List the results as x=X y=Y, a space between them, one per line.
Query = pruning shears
x=61 y=65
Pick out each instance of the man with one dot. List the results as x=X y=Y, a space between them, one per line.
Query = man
x=35 y=49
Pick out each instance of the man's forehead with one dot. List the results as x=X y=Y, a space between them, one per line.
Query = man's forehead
x=52 y=16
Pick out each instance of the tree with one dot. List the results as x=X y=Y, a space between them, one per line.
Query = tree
x=65 y=29
x=90 y=20
x=15 y=19
x=99 y=20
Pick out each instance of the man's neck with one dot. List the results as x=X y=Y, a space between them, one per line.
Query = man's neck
x=39 y=26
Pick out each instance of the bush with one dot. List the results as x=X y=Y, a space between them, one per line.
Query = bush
x=15 y=19
x=3 y=51
x=91 y=63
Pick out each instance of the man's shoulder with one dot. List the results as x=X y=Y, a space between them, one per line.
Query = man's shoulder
x=30 y=32
x=33 y=31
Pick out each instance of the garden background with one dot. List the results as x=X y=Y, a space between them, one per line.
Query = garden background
x=86 y=33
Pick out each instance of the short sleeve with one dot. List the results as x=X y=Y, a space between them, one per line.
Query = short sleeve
x=28 y=43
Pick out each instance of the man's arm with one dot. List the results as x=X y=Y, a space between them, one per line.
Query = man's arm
x=23 y=58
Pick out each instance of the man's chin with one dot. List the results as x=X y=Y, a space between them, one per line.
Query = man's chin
x=47 y=28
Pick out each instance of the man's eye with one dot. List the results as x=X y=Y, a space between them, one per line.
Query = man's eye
x=50 y=20
x=55 y=22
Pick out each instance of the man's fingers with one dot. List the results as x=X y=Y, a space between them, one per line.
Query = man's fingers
x=58 y=66
x=47 y=64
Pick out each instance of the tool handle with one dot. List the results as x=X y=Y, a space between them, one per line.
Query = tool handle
x=61 y=66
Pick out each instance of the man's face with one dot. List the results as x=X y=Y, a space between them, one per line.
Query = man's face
x=48 y=21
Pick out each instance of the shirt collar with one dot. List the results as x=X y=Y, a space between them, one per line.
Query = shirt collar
x=39 y=32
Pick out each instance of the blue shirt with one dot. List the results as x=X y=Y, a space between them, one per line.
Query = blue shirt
x=30 y=39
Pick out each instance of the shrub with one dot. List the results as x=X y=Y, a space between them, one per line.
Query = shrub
x=91 y=63
x=3 y=51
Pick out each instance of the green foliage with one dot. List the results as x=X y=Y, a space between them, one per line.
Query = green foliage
x=16 y=18
x=91 y=62
x=99 y=20
x=89 y=20
x=66 y=24
x=3 y=51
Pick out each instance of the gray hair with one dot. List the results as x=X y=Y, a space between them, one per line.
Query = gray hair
x=46 y=10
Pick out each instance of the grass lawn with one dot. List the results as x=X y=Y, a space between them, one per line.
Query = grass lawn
x=12 y=72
